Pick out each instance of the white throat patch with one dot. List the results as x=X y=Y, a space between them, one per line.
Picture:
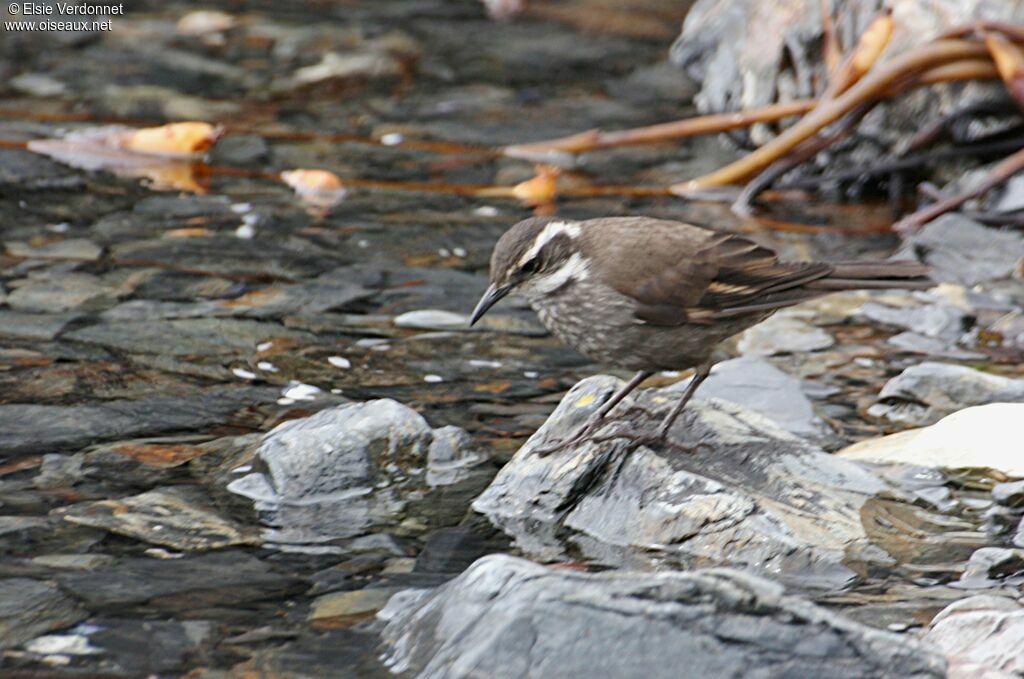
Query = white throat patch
x=549 y=231
x=573 y=269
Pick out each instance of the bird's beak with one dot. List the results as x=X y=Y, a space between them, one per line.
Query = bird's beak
x=490 y=298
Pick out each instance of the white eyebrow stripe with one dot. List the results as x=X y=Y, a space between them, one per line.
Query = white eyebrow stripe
x=574 y=269
x=549 y=231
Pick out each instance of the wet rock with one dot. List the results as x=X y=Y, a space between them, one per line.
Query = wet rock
x=74 y=562
x=27 y=428
x=73 y=248
x=783 y=334
x=760 y=386
x=925 y=393
x=978 y=437
x=739 y=490
x=30 y=607
x=509 y=617
x=151 y=647
x=189 y=583
x=26 y=170
x=27 y=326
x=349 y=469
x=62 y=644
x=981 y=636
x=186 y=336
x=54 y=295
x=960 y=250
x=340 y=606
x=174 y=517
x=939 y=321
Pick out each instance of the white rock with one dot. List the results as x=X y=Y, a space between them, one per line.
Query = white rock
x=982 y=436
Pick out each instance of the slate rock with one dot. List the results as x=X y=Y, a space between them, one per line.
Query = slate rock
x=981 y=636
x=758 y=385
x=142 y=648
x=986 y=436
x=30 y=428
x=185 y=336
x=174 y=517
x=192 y=582
x=960 y=250
x=29 y=608
x=925 y=393
x=341 y=472
x=508 y=617
x=783 y=334
x=29 y=326
x=739 y=491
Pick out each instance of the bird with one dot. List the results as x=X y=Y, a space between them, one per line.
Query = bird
x=651 y=295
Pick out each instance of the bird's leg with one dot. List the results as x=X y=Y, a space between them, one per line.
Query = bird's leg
x=700 y=374
x=595 y=421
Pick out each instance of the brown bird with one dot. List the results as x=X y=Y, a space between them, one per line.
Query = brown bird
x=652 y=294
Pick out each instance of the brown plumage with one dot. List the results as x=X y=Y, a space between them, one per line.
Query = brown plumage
x=652 y=294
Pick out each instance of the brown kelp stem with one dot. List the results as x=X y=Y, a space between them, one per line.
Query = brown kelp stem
x=872 y=86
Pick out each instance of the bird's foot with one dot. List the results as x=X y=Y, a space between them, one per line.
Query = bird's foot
x=582 y=435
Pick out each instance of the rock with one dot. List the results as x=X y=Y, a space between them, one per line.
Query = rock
x=173 y=517
x=783 y=334
x=981 y=637
x=506 y=616
x=63 y=644
x=72 y=248
x=30 y=607
x=360 y=602
x=432 y=319
x=63 y=293
x=145 y=648
x=925 y=393
x=26 y=428
x=978 y=437
x=989 y=564
x=189 y=583
x=960 y=250
x=1009 y=494
x=43 y=327
x=741 y=491
x=760 y=386
x=940 y=321
x=340 y=473
x=186 y=336
x=74 y=562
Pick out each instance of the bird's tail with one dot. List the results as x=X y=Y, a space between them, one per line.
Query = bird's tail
x=874 y=275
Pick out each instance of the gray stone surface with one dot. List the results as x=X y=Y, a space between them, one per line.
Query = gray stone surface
x=29 y=608
x=760 y=386
x=783 y=334
x=174 y=517
x=960 y=250
x=508 y=617
x=341 y=472
x=184 y=337
x=925 y=393
x=740 y=491
x=29 y=428
x=981 y=636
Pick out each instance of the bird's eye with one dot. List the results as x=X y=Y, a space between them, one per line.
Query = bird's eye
x=531 y=266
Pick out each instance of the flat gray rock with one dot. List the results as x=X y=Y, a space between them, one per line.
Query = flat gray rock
x=508 y=617
x=29 y=608
x=739 y=490
x=29 y=428
x=760 y=386
x=185 y=336
x=960 y=250
x=925 y=393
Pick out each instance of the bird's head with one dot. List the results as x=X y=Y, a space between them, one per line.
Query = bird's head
x=536 y=257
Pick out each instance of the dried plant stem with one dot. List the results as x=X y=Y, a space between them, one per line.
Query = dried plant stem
x=871 y=87
x=869 y=48
x=1007 y=168
x=1009 y=61
x=592 y=140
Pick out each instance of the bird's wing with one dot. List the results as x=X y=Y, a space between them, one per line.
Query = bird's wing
x=702 y=276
